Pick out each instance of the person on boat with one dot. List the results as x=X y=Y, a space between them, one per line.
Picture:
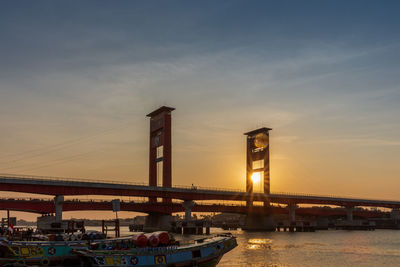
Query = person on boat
x=10 y=231
x=10 y=228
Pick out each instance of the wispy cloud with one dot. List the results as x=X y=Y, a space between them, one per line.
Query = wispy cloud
x=356 y=141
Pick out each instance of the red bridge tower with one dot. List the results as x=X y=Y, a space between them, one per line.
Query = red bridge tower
x=160 y=149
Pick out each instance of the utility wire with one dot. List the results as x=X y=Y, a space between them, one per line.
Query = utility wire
x=57 y=147
x=55 y=162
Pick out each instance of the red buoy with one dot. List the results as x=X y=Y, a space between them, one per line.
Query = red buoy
x=140 y=240
x=163 y=237
x=152 y=240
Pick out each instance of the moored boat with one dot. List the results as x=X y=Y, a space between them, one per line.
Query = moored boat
x=37 y=253
x=125 y=251
x=205 y=252
x=50 y=253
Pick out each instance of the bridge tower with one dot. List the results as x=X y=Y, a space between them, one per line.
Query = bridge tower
x=160 y=149
x=160 y=171
x=257 y=170
x=257 y=161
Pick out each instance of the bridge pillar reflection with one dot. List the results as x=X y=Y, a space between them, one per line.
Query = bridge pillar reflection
x=349 y=213
x=58 y=203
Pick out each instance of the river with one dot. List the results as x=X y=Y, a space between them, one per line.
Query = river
x=321 y=248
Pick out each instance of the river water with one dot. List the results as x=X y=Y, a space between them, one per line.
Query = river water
x=320 y=248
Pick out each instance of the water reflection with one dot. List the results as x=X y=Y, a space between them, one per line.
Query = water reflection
x=321 y=248
x=259 y=243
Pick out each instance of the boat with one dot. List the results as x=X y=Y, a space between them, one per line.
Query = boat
x=204 y=252
x=155 y=249
x=48 y=253
x=39 y=253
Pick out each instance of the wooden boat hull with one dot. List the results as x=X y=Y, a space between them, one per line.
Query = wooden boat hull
x=38 y=253
x=48 y=253
x=207 y=253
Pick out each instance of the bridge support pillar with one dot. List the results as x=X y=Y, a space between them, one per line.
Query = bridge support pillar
x=349 y=213
x=292 y=212
x=188 y=205
x=395 y=214
x=158 y=222
x=58 y=203
x=259 y=222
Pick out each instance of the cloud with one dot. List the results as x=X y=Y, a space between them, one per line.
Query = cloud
x=357 y=141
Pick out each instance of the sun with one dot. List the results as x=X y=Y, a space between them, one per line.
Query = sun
x=256 y=177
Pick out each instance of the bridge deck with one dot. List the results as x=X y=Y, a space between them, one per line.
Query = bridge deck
x=70 y=187
x=45 y=206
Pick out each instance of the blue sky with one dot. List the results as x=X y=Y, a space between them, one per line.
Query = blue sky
x=77 y=78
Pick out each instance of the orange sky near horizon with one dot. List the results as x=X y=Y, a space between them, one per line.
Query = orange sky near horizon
x=77 y=80
x=218 y=160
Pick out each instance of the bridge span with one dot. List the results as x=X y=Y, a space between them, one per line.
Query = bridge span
x=75 y=187
x=46 y=206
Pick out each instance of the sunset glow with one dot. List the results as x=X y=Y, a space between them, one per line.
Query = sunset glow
x=83 y=87
x=256 y=177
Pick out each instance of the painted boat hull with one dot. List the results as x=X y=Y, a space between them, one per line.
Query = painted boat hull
x=39 y=253
x=48 y=253
x=207 y=253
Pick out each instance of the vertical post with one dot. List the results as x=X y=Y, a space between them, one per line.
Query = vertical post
x=292 y=212
x=395 y=215
x=117 y=228
x=267 y=187
x=349 y=213
x=160 y=140
x=58 y=202
x=249 y=170
x=8 y=218
x=167 y=153
x=188 y=205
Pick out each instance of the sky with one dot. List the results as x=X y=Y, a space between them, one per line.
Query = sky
x=78 y=77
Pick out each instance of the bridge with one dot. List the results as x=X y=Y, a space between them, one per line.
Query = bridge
x=75 y=187
x=257 y=165
x=47 y=206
